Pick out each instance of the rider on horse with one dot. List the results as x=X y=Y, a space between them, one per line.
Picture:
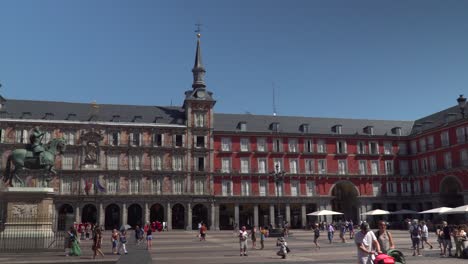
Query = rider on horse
x=36 y=144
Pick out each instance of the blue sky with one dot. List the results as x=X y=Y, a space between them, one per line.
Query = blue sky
x=356 y=59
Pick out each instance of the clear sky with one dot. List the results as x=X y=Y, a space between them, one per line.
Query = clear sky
x=371 y=59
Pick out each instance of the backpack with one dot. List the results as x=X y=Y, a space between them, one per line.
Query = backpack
x=415 y=231
x=384 y=259
x=397 y=255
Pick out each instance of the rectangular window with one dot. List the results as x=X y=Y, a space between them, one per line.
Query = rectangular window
x=245 y=165
x=374 y=167
x=405 y=188
x=322 y=166
x=402 y=148
x=464 y=157
x=292 y=145
x=134 y=187
x=414 y=147
x=112 y=162
x=244 y=144
x=225 y=144
x=226 y=165
x=178 y=186
x=363 y=167
x=433 y=163
x=245 y=188
x=391 y=188
x=389 y=167
x=376 y=188
x=430 y=142
x=415 y=166
x=417 y=187
x=66 y=185
x=261 y=145
x=294 y=188
x=177 y=163
x=361 y=147
x=321 y=146
x=227 y=188
x=310 y=188
x=277 y=145
x=279 y=189
x=426 y=186
x=21 y=136
x=263 y=187
x=308 y=146
x=424 y=165
x=200 y=163
x=373 y=148
x=309 y=166
x=278 y=164
x=199 y=141
x=388 y=148
x=47 y=137
x=341 y=147
x=114 y=138
x=178 y=141
x=199 y=119
x=135 y=139
x=444 y=137
x=156 y=162
x=293 y=166
x=461 y=135
x=67 y=162
x=262 y=165
x=422 y=144
x=134 y=162
x=158 y=140
x=199 y=186
x=156 y=186
x=448 y=160
x=404 y=167
x=342 y=167
x=112 y=185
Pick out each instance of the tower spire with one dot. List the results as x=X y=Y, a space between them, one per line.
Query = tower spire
x=198 y=68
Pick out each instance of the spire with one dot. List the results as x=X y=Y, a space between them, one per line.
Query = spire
x=198 y=69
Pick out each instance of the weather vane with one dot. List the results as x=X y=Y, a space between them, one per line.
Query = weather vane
x=198 y=30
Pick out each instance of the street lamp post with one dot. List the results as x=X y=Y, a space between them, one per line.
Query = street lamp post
x=462 y=103
x=278 y=177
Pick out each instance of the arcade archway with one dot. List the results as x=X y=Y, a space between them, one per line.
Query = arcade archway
x=65 y=217
x=112 y=219
x=199 y=214
x=178 y=217
x=89 y=214
x=345 y=200
x=157 y=213
x=226 y=217
x=134 y=216
x=450 y=196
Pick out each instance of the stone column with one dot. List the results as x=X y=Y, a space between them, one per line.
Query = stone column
x=217 y=217
x=124 y=214
x=212 y=217
x=326 y=206
x=288 y=213
x=303 y=215
x=169 y=216
x=256 y=215
x=272 y=215
x=77 y=214
x=102 y=215
x=189 y=217
x=146 y=214
x=236 y=215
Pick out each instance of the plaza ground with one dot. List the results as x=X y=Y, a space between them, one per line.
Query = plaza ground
x=223 y=247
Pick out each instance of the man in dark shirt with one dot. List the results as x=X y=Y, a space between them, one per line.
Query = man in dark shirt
x=446 y=239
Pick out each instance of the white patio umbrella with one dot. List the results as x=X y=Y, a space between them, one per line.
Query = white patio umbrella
x=404 y=211
x=376 y=212
x=437 y=210
x=325 y=212
x=458 y=210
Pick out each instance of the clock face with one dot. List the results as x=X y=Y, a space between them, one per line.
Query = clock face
x=201 y=94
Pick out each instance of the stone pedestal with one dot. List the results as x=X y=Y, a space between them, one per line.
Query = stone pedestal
x=28 y=215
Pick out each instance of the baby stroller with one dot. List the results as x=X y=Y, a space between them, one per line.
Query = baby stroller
x=397 y=255
x=284 y=250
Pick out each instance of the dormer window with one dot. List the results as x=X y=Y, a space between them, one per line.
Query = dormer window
x=242 y=126
x=137 y=118
x=369 y=130
x=396 y=131
x=449 y=117
x=48 y=116
x=274 y=127
x=304 y=128
x=71 y=116
x=25 y=115
x=337 y=129
x=115 y=118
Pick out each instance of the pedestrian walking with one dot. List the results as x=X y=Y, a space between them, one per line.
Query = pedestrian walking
x=351 y=229
x=367 y=244
x=331 y=231
x=263 y=235
x=415 y=231
x=149 y=237
x=97 y=242
x=203 y=231
x=138 y=234
x=253 y=237
x=122 y=242
x=316 y=235
x=114 y=240
x=425 y=235
x=343 y=233
x=384 y=237
x=283 y=250
x=243 y=235
x=75 y=249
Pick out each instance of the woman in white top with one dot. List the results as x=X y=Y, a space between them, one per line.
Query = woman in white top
x=425 y=235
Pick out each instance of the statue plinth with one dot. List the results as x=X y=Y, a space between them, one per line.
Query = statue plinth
x=28 y=216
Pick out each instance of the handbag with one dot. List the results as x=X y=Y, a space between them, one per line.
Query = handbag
x=288 y=250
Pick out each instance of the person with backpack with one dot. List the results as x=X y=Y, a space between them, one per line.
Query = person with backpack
x=415 y=231
x=316 y=235
x=384 y=237
x=367 y=244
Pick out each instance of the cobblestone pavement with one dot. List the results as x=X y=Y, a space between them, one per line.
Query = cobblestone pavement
x=223 y=247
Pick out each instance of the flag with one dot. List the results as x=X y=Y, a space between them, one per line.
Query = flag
x=88 y=185
x=99 y=186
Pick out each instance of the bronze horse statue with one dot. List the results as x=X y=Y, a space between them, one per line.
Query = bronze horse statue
x=26 y=159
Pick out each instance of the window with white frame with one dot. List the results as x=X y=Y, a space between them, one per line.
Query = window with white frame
x=424 y=165
x=292 y=145
x=361 y=147
x=402 y=148
x=422 y=144
x=225 y=144
x=199 y=162
x=244 y=144
x=373 y=147
x=294 y=188
x=156 y=185
x=158 y=139
x=199 y=141
x=405 y=188
x=388 y=148
x=156 y=162
x=415 y=166
x=444 y=137
x=114 y=138
x=363 y=167
x=66 y=185
x=261 y=145
x=448 y=160
x=461 y=135
x=67 y=162
x=245 y=188
x=226 y=165
x=199 y=119
x=112 y=162
x=262 y=165
x=134 y=162
x=426 y=186
x=321 y=146
x=341 y=147
x=433 y=163
x=293 y=165
x=135 y=139
x=430 y=142
x=376 y=188
x=177 y=163
x=464 y=157
x=308 y=146
x=309 y=166
x=279 y=188
x=342 y=167
x=178 y=141
x=199 y=185
x=414 y=147
x=245 y=165
x=2 y=135
x=21 y=136
x=322 y=166
x=47 y=137
x=112 y=185
x=278 y=164
x=134 y=187
x=416 y=187
x=404 y=167
x=277 y=145
x=310 y=188
x=178 y=186
x=374 y=167
x=263 y=187
x=391 y=188
x=227 y=188
x=389 y=167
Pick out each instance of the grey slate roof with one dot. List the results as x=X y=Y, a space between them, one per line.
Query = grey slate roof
x=437 y=119
x=29 y=109
x=291 y=124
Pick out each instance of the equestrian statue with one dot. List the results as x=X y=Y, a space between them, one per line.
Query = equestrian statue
x=35 y=156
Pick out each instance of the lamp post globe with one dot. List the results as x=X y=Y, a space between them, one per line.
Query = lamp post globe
x=462 y=104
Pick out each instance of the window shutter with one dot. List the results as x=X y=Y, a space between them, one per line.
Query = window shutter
x=140 y=137
x=131 y=139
